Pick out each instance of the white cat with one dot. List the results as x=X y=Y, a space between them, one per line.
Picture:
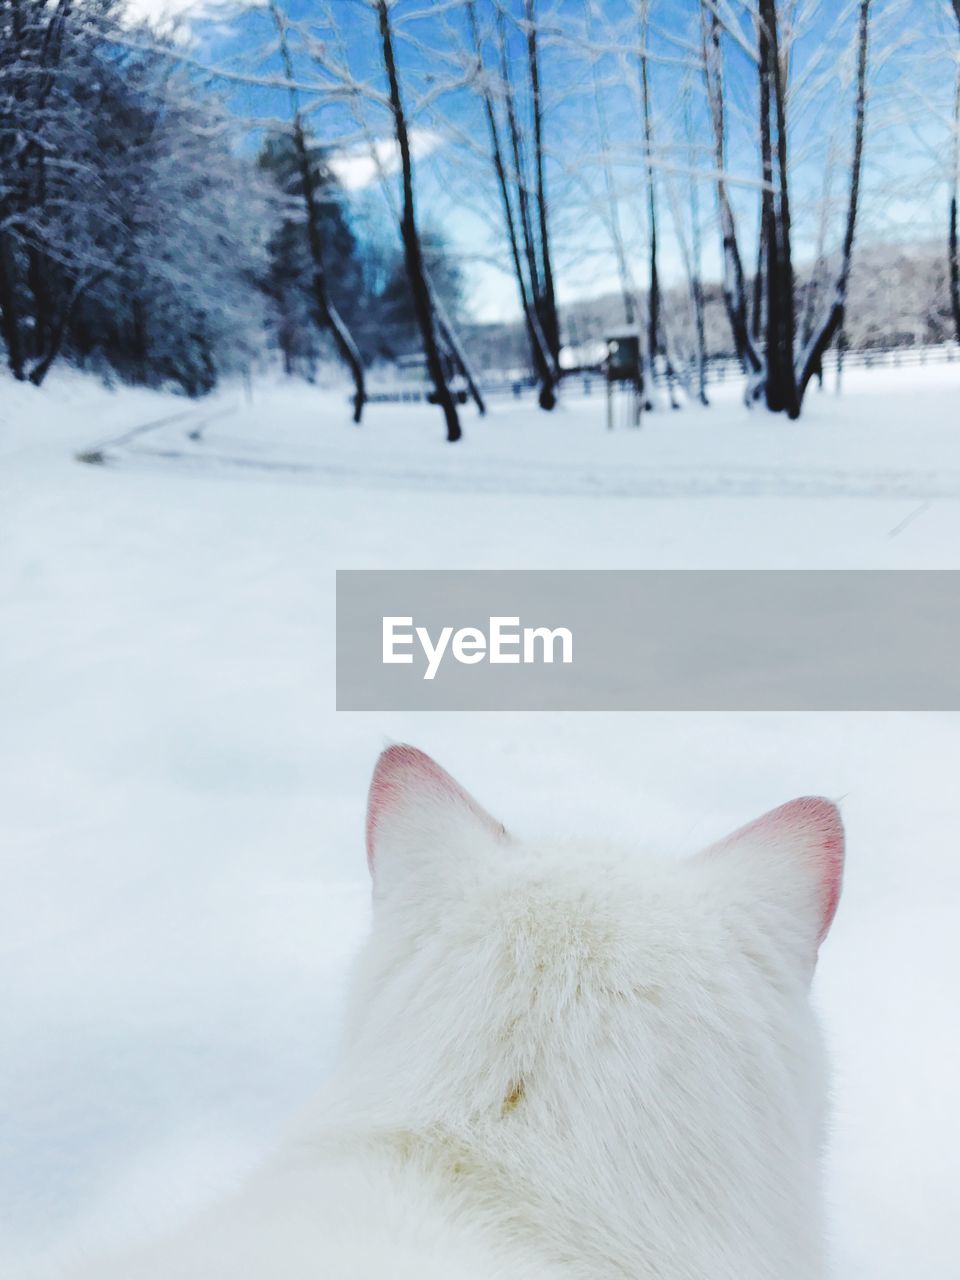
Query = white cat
x=561 y=1061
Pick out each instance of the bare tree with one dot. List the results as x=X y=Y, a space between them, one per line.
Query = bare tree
x=450 y=339
x=543 y=365
x=548 y=300
x=519 y=166
x=689 y=240
x=814 y=286
x=327 y=312
x=780 y=384
x=497 y=78
x=734 y=279
x=449 y=342
x=657 y=344
x=832 y=323
x=695 y=270
x=782 y=375
x=532 y=213
x=413 y=251
x=653 y=287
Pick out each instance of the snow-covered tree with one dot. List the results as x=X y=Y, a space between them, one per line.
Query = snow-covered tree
x=130 y=235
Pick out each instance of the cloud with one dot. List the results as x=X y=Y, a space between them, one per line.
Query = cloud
x=360 y=167
x=163 y=15
x=159 y=13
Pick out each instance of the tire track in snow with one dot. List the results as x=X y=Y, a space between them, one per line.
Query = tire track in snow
x=191 y=451
x=109 y=451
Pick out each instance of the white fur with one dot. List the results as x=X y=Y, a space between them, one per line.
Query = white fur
x=561 y=1061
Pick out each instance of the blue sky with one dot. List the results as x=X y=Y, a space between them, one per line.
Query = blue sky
x=907 y=155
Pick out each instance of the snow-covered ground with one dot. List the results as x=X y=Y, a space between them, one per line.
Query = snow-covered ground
x=183 y=879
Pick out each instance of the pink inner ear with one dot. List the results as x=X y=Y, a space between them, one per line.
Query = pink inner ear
x=404 y=774
x=814 y=824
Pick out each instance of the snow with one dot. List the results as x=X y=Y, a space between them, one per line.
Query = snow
x=181 y=808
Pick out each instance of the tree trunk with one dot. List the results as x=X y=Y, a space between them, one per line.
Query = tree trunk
x=841 y=349
x=954 y=247
x=656 y=338
x=699 y=311
x=690 y=254
x=693 y=258
x=548 y=315
x=449 y=336
x=413 y=252
x=538 y=311
x=327 y=312
x=536 y=307
x=734 y=284
x=765 y=278
x=814 y=287
x=546 y=376
x=138 y=345
x=58 y=330
x=768 y=266
x=653 y=317
x=519 y=167
x=812 y=357
x=781 y=385
x=954 y=266
x=757 y=314
x=10 y=308
x=42 y=305
x=32 y=164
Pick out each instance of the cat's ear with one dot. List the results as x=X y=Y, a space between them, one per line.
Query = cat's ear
x=792 y=858
x=418 y=815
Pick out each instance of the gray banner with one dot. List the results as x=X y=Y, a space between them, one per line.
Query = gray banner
x=648 y=641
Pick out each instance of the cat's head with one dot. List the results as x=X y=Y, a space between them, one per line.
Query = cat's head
x=429 y=844
x=653 y=1011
